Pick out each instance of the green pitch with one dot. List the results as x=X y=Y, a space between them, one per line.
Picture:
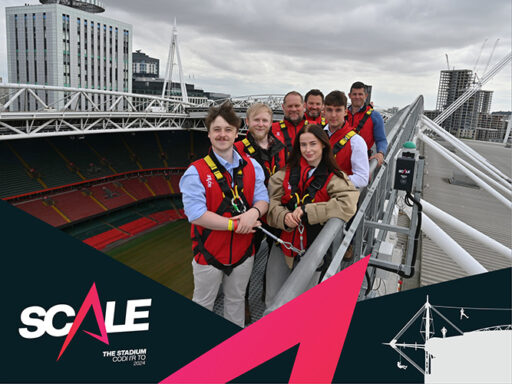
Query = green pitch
x=164 y=255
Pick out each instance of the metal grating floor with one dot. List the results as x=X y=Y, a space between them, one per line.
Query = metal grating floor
x=256 y=303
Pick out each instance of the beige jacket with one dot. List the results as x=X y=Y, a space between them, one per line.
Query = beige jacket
x=342 y=204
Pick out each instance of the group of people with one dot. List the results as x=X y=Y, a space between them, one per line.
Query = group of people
x=288 y=177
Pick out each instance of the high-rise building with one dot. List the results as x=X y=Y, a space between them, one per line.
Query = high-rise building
x=66 y=43
x=465 y=120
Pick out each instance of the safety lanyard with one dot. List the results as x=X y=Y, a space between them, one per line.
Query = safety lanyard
x=233 y=194
x=366 y=116
x=341 y=144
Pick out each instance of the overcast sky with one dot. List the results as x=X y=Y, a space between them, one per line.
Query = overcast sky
x=259 y=47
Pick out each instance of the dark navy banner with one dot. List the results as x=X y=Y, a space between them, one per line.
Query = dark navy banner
x=73 y=314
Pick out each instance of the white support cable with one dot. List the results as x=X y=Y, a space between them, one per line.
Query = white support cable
x=507 y=133
x=441 y=215
x=470 y=152
x=470 y=174
x=452 y=249
x=506 y=190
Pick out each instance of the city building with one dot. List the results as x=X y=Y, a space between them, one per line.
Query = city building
x=66 y=43
x=146 y=81
x=144 y=66
x=473 y=120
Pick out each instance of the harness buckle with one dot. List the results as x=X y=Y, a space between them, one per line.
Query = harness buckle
x=235 y=202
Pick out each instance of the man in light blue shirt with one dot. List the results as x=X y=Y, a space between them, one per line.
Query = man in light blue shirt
x=224 y=196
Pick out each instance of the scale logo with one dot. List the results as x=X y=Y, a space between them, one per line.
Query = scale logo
x=42 y=319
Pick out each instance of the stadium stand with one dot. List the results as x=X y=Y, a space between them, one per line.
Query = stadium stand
x=137 y=188
x=103 y=239
x=146 y=149
x=110 y=195
x=100 y=188
x=76 y=205
x=78 y=152
x=43 y=212
x=14 y=176
x=41 y=156
x=139 y=225
x=111 y=148
x=159 y=185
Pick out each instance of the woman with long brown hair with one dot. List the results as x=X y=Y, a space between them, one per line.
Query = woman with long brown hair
x=306 y=194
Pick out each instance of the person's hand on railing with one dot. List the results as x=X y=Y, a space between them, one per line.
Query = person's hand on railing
x=379 y=156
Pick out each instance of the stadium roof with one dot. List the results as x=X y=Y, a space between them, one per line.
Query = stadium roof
x=473 y=206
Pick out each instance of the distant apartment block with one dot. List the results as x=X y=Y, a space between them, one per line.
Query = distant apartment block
x=144 y=66
x=473 y=120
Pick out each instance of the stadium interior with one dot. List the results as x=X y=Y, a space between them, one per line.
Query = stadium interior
x=103 y=188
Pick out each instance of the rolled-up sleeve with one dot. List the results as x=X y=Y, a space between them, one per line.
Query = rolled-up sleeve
x=359 y=162
x=260 y=191
x=193 y=194
x=379 y=134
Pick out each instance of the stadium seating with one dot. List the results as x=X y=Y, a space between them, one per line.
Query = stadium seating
x=159 y=185
x=77 y=151
x=138 y=225
x=99 y=207
x=110 y=195
x=42 y=212
x=41 y=156
x=15 y=179
x=146 y=148
x=76 y=206
x=175 y=182
x=136 y=188
x=103 y=239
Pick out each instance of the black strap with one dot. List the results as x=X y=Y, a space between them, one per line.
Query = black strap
x=340 y=144
x=320 y=176
x=363 y=120
x=210 y=259
x=264 y=155
x=287 y=138
x=225 y=187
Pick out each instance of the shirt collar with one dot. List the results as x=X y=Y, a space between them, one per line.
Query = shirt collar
x=226 y=164
x=360 y=109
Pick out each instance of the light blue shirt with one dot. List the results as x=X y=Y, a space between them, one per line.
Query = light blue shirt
x=194 y=194
x=358 y=160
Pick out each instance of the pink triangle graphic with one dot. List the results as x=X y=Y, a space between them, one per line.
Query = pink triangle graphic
x=91 y=300
x=318 y=320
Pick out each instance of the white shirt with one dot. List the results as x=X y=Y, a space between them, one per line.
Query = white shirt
x=358 y=160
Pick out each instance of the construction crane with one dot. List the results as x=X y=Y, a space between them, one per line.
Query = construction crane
x=492 y=53
x=447 y=61
x=479 y=55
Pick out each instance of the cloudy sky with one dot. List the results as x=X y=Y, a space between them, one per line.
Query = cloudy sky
x=259 y=47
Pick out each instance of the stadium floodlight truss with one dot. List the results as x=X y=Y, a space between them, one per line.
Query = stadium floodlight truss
x=275 y=102
x=28 y=110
